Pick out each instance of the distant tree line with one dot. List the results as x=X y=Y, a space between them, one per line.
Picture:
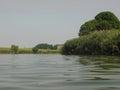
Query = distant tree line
x=14 y=49
x=43 y=46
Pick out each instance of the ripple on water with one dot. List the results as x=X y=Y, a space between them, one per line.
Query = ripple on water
x=58 y=72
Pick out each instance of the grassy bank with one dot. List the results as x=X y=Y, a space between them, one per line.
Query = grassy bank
x=99 y=42
x=4 y=50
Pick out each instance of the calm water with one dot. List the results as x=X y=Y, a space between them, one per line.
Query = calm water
x=58 y=72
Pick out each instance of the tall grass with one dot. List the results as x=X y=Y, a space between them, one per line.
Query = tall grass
x=5 y=50
x=25 y=51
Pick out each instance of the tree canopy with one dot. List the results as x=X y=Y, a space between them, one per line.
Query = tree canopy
x=44 y=46
x=88 y=27
x=103 y=21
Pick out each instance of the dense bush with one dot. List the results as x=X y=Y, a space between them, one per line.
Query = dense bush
x=98 y=42
x=102 y=21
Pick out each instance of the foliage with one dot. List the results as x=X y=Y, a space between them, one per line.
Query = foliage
x=88 y=27
x=98 y=42
x=14 y=49
x=103 y=21
x=110 y=18
x=28 y=51
x=103 y=25
x=44 y=46
x=35 y=50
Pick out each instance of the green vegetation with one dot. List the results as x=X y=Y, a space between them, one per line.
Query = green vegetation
x=35 y=50
x=25 y=51
x=98 y=42
x=98 y=36
x=5 y=50
x=47 y=51
x=38 y=49
x=110 y=18
x=102 y=21
x=28 y=51
x=14 y=49
x=44 y=46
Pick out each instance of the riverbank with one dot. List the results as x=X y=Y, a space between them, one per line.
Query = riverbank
x=6 y=50
x=104 y=42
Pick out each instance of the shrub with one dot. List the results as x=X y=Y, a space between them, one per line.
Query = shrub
x=97 y=42
x=35 y=50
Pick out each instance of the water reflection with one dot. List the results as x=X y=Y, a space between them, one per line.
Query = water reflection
x=101 y=67
x=109 y=88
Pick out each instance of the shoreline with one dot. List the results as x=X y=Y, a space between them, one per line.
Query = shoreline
x=28 y=51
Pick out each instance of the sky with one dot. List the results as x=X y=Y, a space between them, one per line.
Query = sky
x=27 y=23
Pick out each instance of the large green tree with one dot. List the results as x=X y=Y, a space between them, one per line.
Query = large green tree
x=110 y=18
x=88 y=27
x=103 y=21
x=103 y=25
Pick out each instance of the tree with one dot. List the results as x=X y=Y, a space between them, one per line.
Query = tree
x=14 y=49
x=103 y=21
x=103 y=25
x=110 y=17
x=35 y=50
x=44 y=46
x=88 y=27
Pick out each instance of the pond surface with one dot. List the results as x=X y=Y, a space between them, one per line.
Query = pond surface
x=58 y=72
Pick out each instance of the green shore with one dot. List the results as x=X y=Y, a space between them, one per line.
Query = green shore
x=104 y=42
x=6 y=50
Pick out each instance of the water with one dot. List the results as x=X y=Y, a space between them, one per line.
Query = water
x=58 y=72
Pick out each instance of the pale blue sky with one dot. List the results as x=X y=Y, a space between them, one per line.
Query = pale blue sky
x=29 y=22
